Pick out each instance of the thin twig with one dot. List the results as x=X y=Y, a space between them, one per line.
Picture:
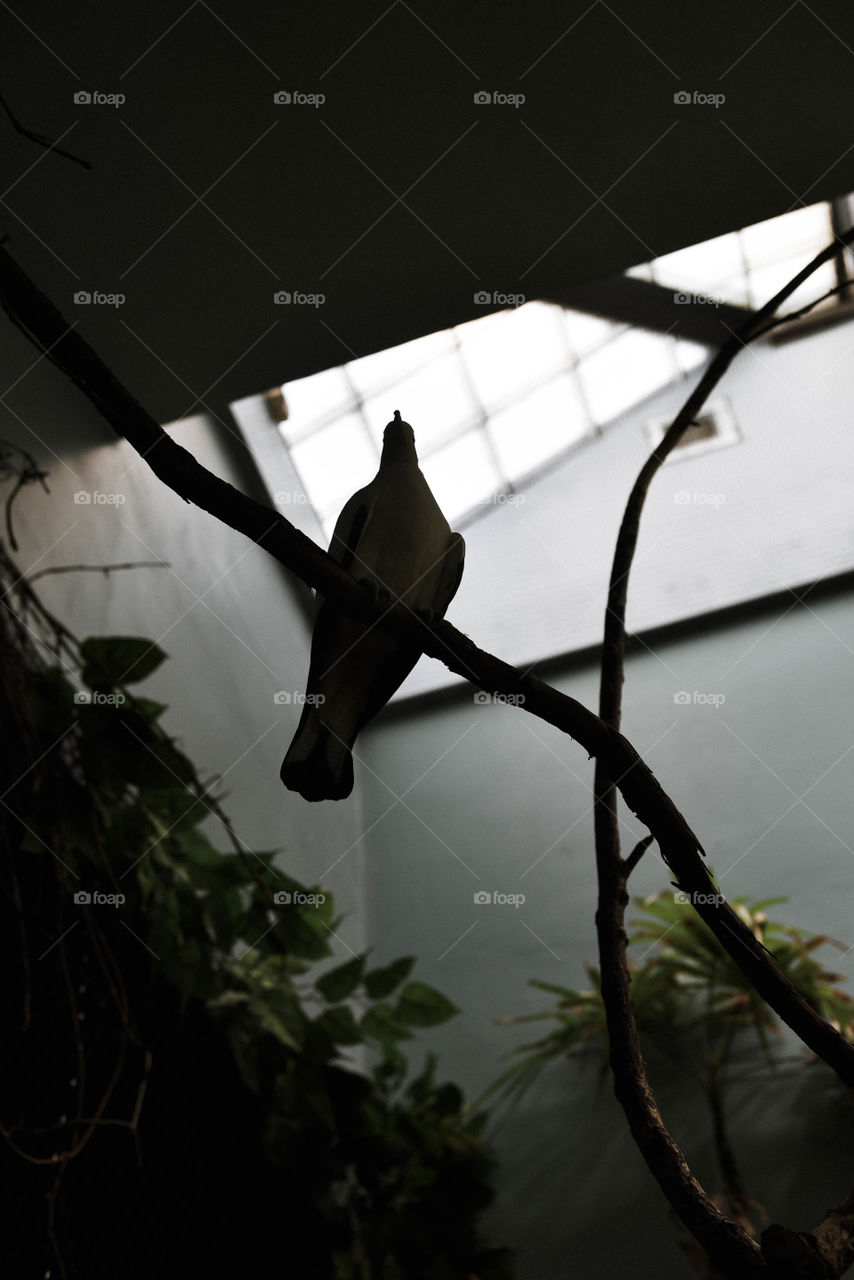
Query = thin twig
x=731 y=1250
x=99 y=568
x=40 y=139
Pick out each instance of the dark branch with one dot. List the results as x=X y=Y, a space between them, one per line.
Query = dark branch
x=731 y=1250
x=37 y=317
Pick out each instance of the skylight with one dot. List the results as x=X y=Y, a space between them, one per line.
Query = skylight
x=495 y=400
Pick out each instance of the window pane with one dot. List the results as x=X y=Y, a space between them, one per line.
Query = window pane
x=509 y=351
x=629 y=368
x=462 y=474
x=310 y=400
x=335 y=461
x=538 y=426
x=372 y=372
x=433 y=401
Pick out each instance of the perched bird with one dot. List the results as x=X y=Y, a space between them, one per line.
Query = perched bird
x=392 y=537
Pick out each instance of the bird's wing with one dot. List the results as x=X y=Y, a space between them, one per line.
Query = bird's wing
x=349 y=528
x=452 y=573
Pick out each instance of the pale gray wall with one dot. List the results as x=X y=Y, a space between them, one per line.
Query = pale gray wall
x=225 y=613
x=492 y=790
x=507 y=788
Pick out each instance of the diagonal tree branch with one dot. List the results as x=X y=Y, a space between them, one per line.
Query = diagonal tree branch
x=730 y=1248
x=37 y=317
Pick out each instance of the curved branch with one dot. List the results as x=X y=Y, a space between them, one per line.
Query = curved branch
x=36 y=316
x=729 y=1247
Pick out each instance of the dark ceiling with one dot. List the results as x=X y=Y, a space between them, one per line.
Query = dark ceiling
x=399 y=197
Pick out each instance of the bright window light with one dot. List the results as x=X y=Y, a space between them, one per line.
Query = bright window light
x=495 y=400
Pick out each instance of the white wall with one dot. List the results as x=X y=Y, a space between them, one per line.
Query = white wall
x=227 y=614
x=501 y=801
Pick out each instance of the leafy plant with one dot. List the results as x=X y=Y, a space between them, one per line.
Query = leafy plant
x=102 y=806
x=686 y=984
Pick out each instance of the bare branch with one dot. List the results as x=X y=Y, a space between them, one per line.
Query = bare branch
x=731 y=1250
x=37 y=317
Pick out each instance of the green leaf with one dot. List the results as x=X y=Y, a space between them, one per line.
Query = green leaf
x=340 y=982
x=380 y=982
x=340 y=1025
x=149 y=708
x=381 y=1023
x=113 y=660
x=423 y=1006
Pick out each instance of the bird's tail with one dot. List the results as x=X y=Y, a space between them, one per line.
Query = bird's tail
x=318 y=764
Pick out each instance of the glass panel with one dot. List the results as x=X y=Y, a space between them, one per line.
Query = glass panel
x=538 y=426
x=434 y=402
x=506 y=352
x=461 y=475
x=629 y=368
x=335 y=461
x=586 y=333
x=372 y=372
x=310 y=400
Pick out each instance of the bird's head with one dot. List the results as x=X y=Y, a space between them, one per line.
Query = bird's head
x=398 y=439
